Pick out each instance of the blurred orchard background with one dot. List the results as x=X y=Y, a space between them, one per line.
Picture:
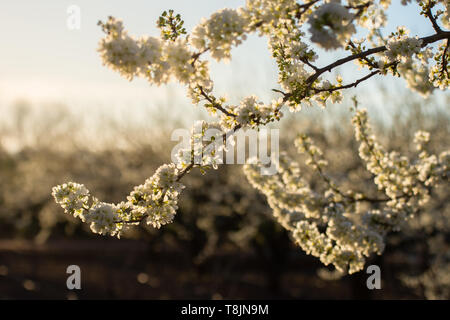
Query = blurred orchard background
x=65 y=117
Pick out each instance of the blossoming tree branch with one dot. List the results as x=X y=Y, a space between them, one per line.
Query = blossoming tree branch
x=340 y=227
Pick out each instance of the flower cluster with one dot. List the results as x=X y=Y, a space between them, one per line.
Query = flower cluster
x=329 y=225
x=154 y=201
x=331 y=25
x=76 y=200
x=102 y=218
x=265 y=15
x=445 y=19
x=304 y=212
x=204 y=147
x=439 y=74
x=401 y=47
x=405 y=183
x=406 y=57
x=224 y=29
x=417 y=77
x=72 y=197
x=252 y=113
x=152 y=58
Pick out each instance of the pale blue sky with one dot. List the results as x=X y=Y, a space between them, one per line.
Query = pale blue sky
x=43 y=61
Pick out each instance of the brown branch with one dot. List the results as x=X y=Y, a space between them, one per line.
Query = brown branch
x=197 y=55
x=371 y=200
x=444 y=59
x=279 y=91
x=360 y=9
x=336 y=189
x=184 y=171
x=430 y=16
x=305 y=61
x=378 y=161
x=350 y=85
x=361 y=6
x=191 y=165
x=331 y=66
x=215 y=104
x=304 y=7
x=369 y=63
x=132 y=221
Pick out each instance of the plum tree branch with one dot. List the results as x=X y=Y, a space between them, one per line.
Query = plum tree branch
x=181 y=174
x=214 y=104
x=350 y=85
x=425 y=41
x=444 y=59
x=432 y=19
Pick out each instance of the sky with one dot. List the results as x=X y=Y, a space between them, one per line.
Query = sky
x=43 y=61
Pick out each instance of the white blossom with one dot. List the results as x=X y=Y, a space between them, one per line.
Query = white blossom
x=331 y=25
x=401 y=47
x=224 y=29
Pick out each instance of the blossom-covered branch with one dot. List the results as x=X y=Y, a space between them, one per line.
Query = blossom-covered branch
x=178 y=55
x=347 y=240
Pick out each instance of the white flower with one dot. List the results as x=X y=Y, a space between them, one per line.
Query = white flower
x=72 y=197
x=401 y=47
x=331 y=25
x=224 y=29
x=178 y=57
x=102 y=218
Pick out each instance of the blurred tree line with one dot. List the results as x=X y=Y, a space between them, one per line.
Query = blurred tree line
x=219 y=212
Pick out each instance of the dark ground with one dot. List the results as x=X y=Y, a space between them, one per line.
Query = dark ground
x=131 y=269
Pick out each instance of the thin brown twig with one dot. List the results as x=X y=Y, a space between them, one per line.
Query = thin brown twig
x=430 y=16
x=336 y=189
x=425 y=41
x=350 y=85
x=304 y=7
x=215 y=104
x=368 y=61
x=444 y=59
x=182 y=174
x=197 y=55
